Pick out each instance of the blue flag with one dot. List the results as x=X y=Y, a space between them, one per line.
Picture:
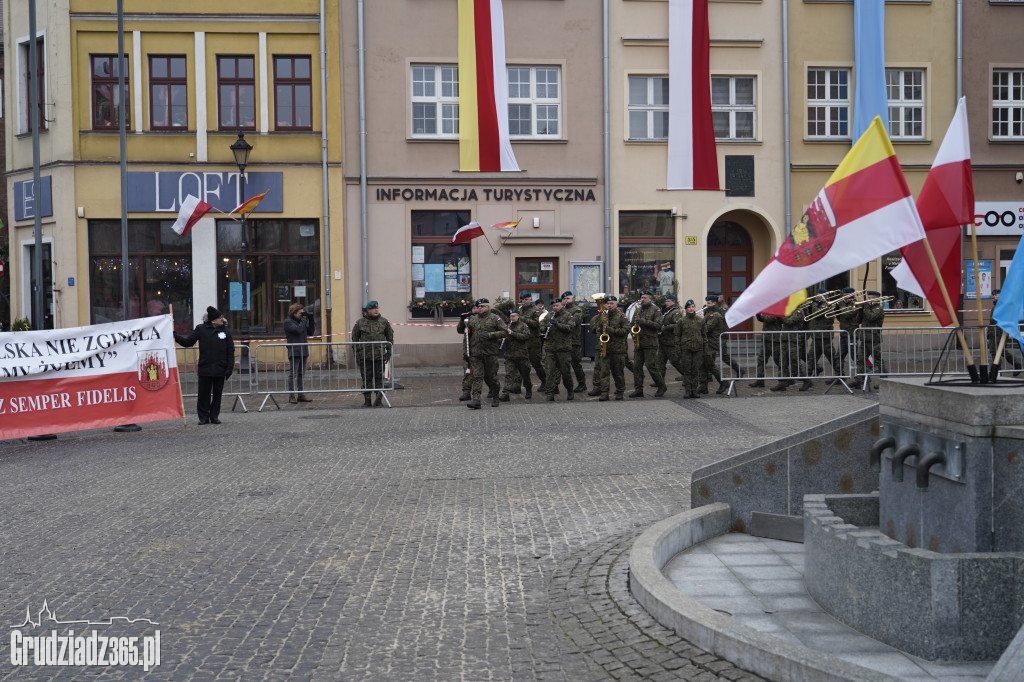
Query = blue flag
x=1009 y=310
x=870 y=98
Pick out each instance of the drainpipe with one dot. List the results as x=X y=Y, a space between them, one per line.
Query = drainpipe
x=607 y=156
x=926 y=463
x=363 y=220
x=786 y=153
x=908 y=450
x=876 y=451
x=325 y=328
x=959 y=49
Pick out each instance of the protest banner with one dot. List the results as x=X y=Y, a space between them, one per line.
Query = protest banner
x=58 y=380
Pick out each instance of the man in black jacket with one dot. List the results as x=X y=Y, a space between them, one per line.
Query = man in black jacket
x=216 y=362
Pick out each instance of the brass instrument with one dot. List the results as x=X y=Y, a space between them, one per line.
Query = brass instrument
x=831 y=299
x=857 y=304
x=635 y=329
x=541 y=320
x=879 y=300
x=604 y=338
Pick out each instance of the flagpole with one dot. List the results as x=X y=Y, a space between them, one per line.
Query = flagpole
x=484 y=232
x=977 y=298
x=971 y=369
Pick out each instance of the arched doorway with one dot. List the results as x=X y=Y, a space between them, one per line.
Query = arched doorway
x=730 y=270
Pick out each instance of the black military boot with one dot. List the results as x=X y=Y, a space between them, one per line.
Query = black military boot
x=570 y=396
x=503 y=397
x=756 y=384
x=603 y=398
x=662 y=390
x=580 y=387
x=495 y=402
x=517 y=390
x=703 y=389
x=550 y=398
x=618 y=396
x=637 y=394
x=368 y=400
x=464 y=397
x=593 y=392
x=722 y=387
x=380 y=399
x=781 y=386
x=529 y=392
x=473 y=404
x=808 y=384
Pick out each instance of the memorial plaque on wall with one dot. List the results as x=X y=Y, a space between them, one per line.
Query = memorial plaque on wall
x=739 y=176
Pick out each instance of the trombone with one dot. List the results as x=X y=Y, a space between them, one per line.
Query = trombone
x=832 y=299
x=604 y=338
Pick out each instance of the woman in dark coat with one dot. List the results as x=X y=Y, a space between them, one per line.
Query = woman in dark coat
x=216 y=362
x=297 y=328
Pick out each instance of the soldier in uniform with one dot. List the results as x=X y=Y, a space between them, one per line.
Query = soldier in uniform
x=371 y=358
x=722 y=307
x=872 y=316
x=820 y=327
x=668 y=350
x=558 y=350
x=530 y=316
x=791 y=363
x=467 y=371
x=569 y=302
x=849 y=321
x=769 y=346
x=645 y=353
x=691 y=341
x=609 y=366
x=489 y=330
x=714 y=326
x=517 y=353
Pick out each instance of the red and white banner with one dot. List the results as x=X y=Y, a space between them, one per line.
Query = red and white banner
x=60 y=380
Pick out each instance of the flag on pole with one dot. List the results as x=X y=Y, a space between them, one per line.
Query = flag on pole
x=467 y=232
x=870 y=98
x=192 y=209
x=692 y=158
x=506 y=229
x=946 y=202
x=249 y=204
x=1009 y=310
x=864 y=211
x=484 y=143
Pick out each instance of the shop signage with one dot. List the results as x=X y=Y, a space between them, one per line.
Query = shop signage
x=25 y=199
x=999 y=218
x=486 y=194
x=163 y=191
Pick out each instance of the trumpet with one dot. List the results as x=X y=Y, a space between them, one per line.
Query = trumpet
x=603 y=337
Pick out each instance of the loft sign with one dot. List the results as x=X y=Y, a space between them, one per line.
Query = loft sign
x=163 y=192
x=560 y=194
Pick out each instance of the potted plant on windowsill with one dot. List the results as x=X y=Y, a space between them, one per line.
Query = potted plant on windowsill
x=423 y=307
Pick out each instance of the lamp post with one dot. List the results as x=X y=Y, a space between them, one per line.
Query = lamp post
x=240 y=148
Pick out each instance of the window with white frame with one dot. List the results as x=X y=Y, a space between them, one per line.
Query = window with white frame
x=1008 y=104
x=828 y=103
x=648 y=107
x=534 y=102
x=435 y=100
x=732 y=107
x=905 y=91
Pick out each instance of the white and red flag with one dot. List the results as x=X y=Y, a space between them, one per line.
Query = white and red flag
x=59 y=380
x=484 y=143
x=192 y=209
x=864 y=211
x=692 y=158
x=507 y=228
x=946 y=202
x=467 y=232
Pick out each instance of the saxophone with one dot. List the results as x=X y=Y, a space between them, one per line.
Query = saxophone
x=603 y=337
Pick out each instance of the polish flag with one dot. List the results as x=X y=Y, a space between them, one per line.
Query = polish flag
x=692 y=158
x=192 y=209
x=468 y=232
x=946 y=202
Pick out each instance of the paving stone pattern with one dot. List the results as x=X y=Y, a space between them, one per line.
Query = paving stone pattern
x=426 y=542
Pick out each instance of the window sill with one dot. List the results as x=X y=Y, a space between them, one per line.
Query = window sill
x=828 y=140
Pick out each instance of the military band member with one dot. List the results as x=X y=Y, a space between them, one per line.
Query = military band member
x=569 y=301
x=609 y=366
x=530 y=315
x=769 y=347
x=467 y=348
x=872 y=317
x=668 y=349
x=820 y=327
x=849 y=321
x=792 y=361
x=517 y=354
x=722 y=307
x=690 y=337
x=558 y=350
x=489 y=330
x=714 y=326
x=645 y=353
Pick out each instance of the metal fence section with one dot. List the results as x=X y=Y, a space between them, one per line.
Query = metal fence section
x=238 y=385
x=785 y=356
x=351 y=367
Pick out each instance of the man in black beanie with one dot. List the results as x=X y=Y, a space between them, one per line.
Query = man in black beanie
x=216 y=362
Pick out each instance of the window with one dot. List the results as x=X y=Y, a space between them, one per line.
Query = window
x=648 y=108
x=293 y=93
x=283 y=267
x=534 y=101
x=901 y=300
x=159 y=271
x=732 y=107
x=440 y=270
x=168 y=92
x=236 y=92
x=647 y=253
x=435 y=100
x=23 y=91
x=1008 y=104
x=828 y=103
x=905 y=88
x=106 y=103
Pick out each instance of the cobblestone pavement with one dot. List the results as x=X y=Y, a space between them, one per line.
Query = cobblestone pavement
x=321 y=541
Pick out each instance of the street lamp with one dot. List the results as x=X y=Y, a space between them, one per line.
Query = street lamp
x=240 y=148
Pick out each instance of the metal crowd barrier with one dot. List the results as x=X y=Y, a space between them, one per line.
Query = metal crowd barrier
x=790 y=356
x=239 y=384
x=329 y=368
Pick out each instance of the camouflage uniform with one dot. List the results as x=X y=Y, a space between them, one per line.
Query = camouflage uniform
x=530 y=316
x=769 y=346
x=714 y=325
x=611 y=366
x=489 y=329
x=467 y=371
x=690 y=336
x=645 y=354
x=576 y=361
x=558 y=350
x=372 y=358
x=517 y=357
x=668 y=349
x=791 y=362
x=872 y=315
x=820 y=341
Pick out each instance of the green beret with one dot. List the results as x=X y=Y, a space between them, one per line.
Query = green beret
x=710 y=297
x=647 y=292
x=672 y=296
x=610 y=298
x=371 y=304
x=481 y=301
x=525 y=294
x=822 y=290
x=717 y=293
x=688 y=303
x=873 y=293
x=566 y=293
x=996 y=291
x=513 y=311
x=847 y=290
